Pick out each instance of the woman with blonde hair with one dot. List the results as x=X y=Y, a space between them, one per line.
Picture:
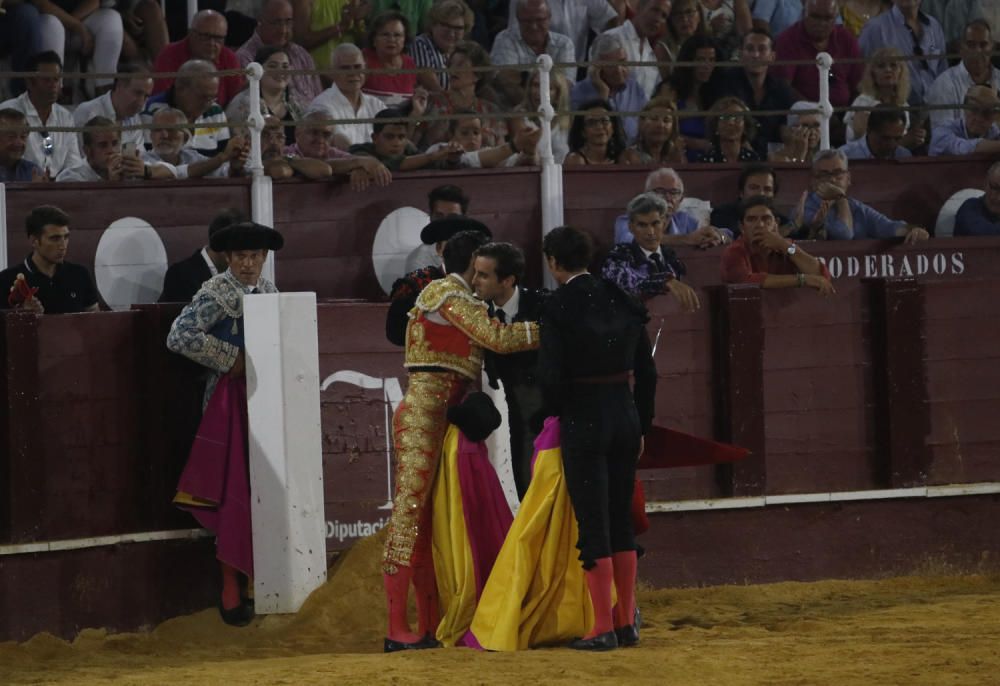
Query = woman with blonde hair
x=730 y=128
x=659 y=141
x=886 y=81
x=559 y=97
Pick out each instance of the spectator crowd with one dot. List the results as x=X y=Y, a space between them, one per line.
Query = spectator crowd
x=462 y=92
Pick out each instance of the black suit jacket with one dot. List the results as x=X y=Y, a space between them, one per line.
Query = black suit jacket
x=518 y=368
x=591 y=327
x=184 y=278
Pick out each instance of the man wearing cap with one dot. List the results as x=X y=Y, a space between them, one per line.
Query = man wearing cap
x=448 y=330
x=209 y=331
x=406 y=289
x=975 y=131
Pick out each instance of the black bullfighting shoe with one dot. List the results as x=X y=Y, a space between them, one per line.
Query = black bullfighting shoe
x=241 y=615
x=428 y=641
x=628 y=636
x=605 y=641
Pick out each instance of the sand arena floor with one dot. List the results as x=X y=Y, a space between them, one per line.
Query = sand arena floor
x=933 y=630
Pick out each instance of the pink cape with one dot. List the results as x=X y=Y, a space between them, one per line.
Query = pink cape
x=217 y=472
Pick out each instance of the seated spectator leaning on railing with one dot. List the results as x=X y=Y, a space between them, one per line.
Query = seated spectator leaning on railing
x=14 y=168
x=467 y=132
x=756 y=179
x=638 y=35
x=644 y=266
x=975 y=69
x=391 y=146
x=170 y=145
x=193 y=93
x=596 y=137
x=344 y=99
x=886 y=130
x=981 y=216
x=681 y=228
x=53 y=151
x=827 y=211
x=62 y=287
x=753 y=83
x=274 y=30
x=122 y=104
x=975 y=132
x=730 y=130
x=205 y=41
x=105 y=160
x=612 y=82
x=802 y=136
x=315 y=140
x=762 y=256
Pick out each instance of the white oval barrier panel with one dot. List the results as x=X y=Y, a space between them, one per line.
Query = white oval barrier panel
x=130 y=263
x=397 y=245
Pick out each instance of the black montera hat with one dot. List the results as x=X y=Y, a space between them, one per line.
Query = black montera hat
x=446 y=227
x=476 y=416
x=246 y=236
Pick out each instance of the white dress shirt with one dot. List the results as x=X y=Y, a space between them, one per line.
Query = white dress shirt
x=509 y=48
x=950 y=89
x=65 y=149
x=511 y=307
x=102 y=107
x=575 y=19
x=338 y=106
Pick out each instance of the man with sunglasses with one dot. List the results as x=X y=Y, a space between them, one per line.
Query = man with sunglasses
x=976 y=131
x=205 y=41
x=914 y=34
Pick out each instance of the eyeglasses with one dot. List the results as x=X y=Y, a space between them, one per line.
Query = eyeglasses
x=596 y=122
x=210 y=37
x=452 y=28
x=831 y=174
x=673 y=193
x=731 y=118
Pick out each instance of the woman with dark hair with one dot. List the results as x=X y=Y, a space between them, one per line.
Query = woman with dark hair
x=731 y=129
x=685 y=21
x=388 y=40
x=467 y=90
x=447 y=24
x=693 y=88
x=596 y=137
x=276 y=99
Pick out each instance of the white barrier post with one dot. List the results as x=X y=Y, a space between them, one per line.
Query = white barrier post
x=823 y=62
x=261 y=192
x=286 y=461
x=551 y=177
x=192 y=9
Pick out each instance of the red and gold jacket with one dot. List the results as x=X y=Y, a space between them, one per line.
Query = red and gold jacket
x=449 y=328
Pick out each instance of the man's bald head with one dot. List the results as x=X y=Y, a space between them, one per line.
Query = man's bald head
x=274 y=25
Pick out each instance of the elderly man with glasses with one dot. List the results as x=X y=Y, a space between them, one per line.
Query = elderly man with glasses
x=274 y=30
x=205 y=41
x=681 y=228
x=826 y=211
x=975 y=132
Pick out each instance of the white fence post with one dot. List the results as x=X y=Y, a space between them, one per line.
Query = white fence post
x=823 y=62
x=286 y=460
x=3 y=226
x=551 y=177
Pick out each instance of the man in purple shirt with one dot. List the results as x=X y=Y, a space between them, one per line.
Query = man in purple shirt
x=816 y=33
x=13 y=167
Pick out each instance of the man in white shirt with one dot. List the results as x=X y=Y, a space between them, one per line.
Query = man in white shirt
x=53 y=151
x=975 y=69
x=576 y=19
x=638 y=35
x=121 y=104
x=105 y=161
x=344 y=99
x=530 y=37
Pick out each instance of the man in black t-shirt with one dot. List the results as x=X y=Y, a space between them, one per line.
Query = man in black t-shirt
x=50 y=284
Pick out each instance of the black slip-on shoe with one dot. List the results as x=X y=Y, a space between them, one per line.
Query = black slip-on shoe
x=605 y=641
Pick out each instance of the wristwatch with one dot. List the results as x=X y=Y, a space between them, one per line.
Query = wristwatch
x=792 y=249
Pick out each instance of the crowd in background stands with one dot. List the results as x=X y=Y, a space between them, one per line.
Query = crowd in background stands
x=732 y=44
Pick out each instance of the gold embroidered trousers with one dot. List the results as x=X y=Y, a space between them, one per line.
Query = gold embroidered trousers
x=418 y=429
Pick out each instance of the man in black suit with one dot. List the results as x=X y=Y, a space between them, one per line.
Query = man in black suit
x=645 y=267
x=593 y=335
x=499 y=269
x=184 y=278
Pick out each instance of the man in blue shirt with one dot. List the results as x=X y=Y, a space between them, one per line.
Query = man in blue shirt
x=886 y=128
x=975 y=131
x=827 y=211
x=776 y=15
x=981 y=216
x=681 y=228
x=614 y=84
x=13 y=142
